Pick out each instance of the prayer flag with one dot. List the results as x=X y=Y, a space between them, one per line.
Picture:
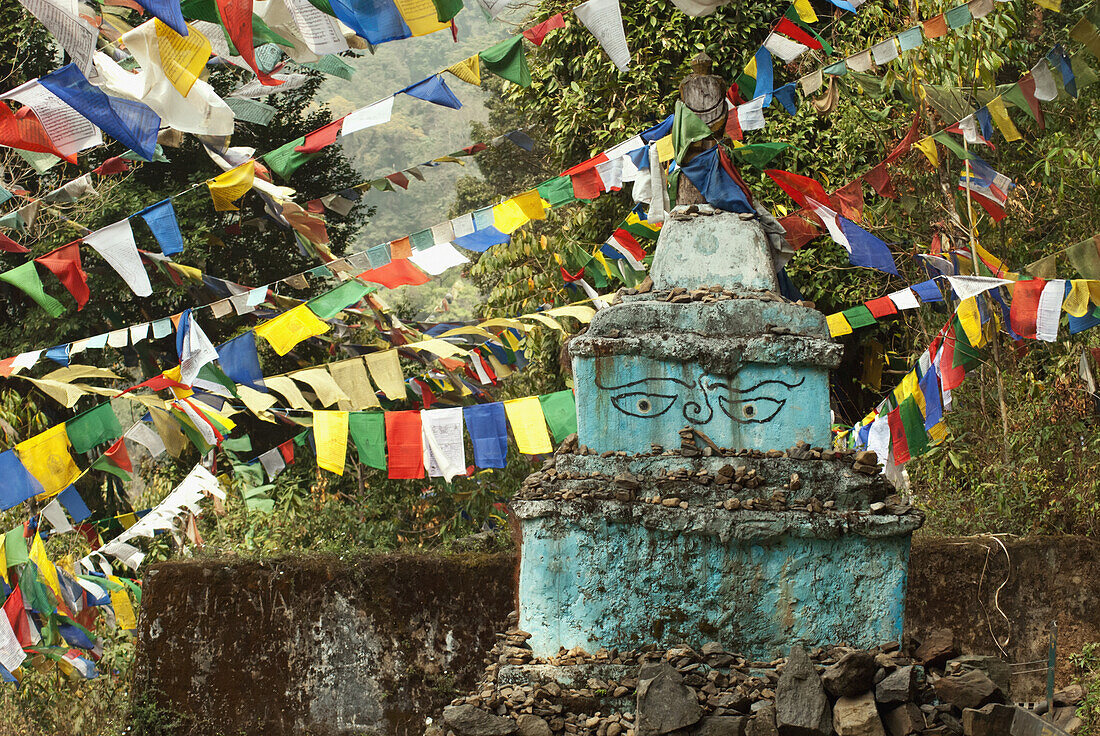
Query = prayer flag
x=999 y=112
x=435 y=90
x=286 y=159
x=444 y=448
x=398 y=272
x=330 y=304
x=488 y=429
x=161 y=219
x=193 y=348
x=228 y=187
x=798 y=187
x=321 y=138
x=714 y=182
x=46 y=456
x=290 y=328
x=368 y=431
x=115 y=243
x=26 y=279
x=506 y=59
x=183 y=56
x=528 y=425
x=116 y=461
x=404 y=443
x=134 y=124
x=330 y=433
x=93 y=427
x=510 y=215
x=912 y=422
x=236 y=17
x=1085 y=258
x=378 y=21
x=468 y=70
x=1049 y=311
x=604 y=20
x=78 y=511
x=537 y=34
x=422 y=17
x=560 y=411
x=792 y=30
x=1025 y=307
x=239 y=361
x=385 y=371
x=867 y=250
x=18 y=484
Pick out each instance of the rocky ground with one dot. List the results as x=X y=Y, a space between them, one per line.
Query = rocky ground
x=836 y=690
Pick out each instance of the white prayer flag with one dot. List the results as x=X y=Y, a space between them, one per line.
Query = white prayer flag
x=144 y=435
x=444 y=450
x=75 y=36
x=604 y=20
x=56 y=516
x=904 y=299
x=196 y=349
x=885 y=52
x=860 y=62
x=968 y=286
x=783 y=47
x=438 y=258
x=320 y=31
x=750 y=116
x=367 y=117
x=1050 y=310
x=11 y=651
x=67 y=128
x=1045 y=87
x=811 y=82
x=115 y=243
x=273 y=463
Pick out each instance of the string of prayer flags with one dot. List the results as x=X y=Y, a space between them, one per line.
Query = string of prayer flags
x=404 y=445
x=131 y=123
x=330 y=432
x=528 y=425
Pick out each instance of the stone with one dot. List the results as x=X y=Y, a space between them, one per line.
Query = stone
x=971 y=689
x=722 y=726
x=664 y=702
x=995 y=668
x=853 y=674
x=857 y=716
x=991 y=720
x=763 y=722
x=937 y=648
x=1071 y=695
x=469 y=720
x=531 y=725
x=802 y=708
x=904 y=720
x=899 y=686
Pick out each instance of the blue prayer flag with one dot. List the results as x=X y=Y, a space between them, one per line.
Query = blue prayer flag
x=787 y=98
x=239 y=361
x=488 y=430
x=70 y=499
x=764 y=77
x=928 y=291
x=74 y=636
x=1058 y=58
x=485 y=233
x=378 y=21
x=658 y=131
x=933 y=403
x=985 y=120
x=715 y=184
x=59 y=354
x=433 y=89
x=161 y=219
x=866 y=249
x=18 y=484
x=169 y=12
x=134 y=124
x=844 y=5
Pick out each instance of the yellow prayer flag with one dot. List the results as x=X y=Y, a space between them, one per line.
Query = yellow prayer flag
x=906 y=387
x=512 y=214
x=440 y=348
x=665 y=150
x=385 y=371
x=227 y=188
x=838 y=324
x=330 y=433
x=351 y=376
x=971 y=320
x=66 y=394
x=578 y=312
x=182 y=57
x=120 y=601
x=750 y=68
x=805 y=11
x=995 y=264
x=468 y=70
x=323 y=385
x=46 y=571
x=420 y=16
x=938 y=432
x=927 y=146
x=3 y=564
x=1085 y=34
x=46 y=457
x=257 y=402
x=602 y=260
x=1001 y=119
x=1055 y=5
x=548 y=321
x=1077 y=303
x=528 y=425
x=290 y=328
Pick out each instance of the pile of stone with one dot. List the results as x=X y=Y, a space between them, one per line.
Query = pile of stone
x=832 y=691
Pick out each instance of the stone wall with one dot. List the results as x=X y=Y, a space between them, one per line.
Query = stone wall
x=373 y=645
x=318 y=645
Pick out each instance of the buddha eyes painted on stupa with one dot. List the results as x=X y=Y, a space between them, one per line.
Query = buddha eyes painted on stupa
x=651 y=397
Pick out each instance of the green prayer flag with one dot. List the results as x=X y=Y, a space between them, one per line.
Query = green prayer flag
x=134 y=588
x=201 y=10
x=838 y=69
x=558 y=191
x=949 y=143
x=39 y=597
x=758 y=155
x=913 y=423
x=107 y=465
x=368 y=432
x=560 y=411
x=445 y=10
x=26 y=279
x=238 y=444
x=507 y=59
x=190 y=432
x=324 y=6
x=212 y=373
x=859 y=317
x=333 y=65
x=15 y=548
x=687 y=128
x=966 y=356
x=1016 y=96
x=93 y=428
x=1084 y=74
x=746 y=85
x=958 y=16
x=330 y=304
x=1085 y=258
x=421 y=240
x=284 y=160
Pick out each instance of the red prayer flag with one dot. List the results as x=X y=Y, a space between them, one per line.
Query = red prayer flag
x=10 y=246
x=849 y=200
x=398 y=272
x=64 y=262
x=799 y=230
x=287 y=451
x=790 y=29
x=113 y=165
x=404 y=448
x=17 y=616
x=799 y=187
x=23 y=130
x=476 y=148
x=905 y=143
x=537 y=34
x=1025 y=306
x=399 y=179
x=320 y=138
x=237 y=18
x=881 y=307
x=951 y=376
x=584 y=165
x=897 y=437
x=587 y=183
x=628 y=243
x=880 y=181
x=1027 y=86
x=118 y=455
x=569 y=277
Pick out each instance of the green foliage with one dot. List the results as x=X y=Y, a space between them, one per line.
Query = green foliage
x=1088 y=668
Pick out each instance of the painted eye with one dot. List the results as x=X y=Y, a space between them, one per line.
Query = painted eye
x=643 y=405
x=751 y=410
